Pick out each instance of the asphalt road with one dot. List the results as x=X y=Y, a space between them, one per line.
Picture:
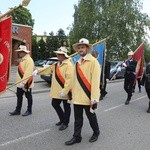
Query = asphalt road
x=122 y=127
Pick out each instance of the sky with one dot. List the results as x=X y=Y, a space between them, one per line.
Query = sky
x=51 y=15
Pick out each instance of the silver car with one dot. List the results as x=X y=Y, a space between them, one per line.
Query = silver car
x=113 y=70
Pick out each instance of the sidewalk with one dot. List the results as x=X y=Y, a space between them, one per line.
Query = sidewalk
x=40 y=85
x=13 y=72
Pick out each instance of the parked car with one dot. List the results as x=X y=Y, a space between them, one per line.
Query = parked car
x=40 y=62
x=49 y=62
x=114 y=67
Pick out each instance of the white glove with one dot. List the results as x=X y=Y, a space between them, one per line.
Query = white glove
x=62 y=95
x=118 y=69
x=124 y=64
x=93 y=102
x=35 y=72
x=21 y=85
x=93 y=106
x=107 y=80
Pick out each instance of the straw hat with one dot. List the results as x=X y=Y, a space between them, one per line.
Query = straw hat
x=130 y=53
x=62 y=50
x=22 y=48
x=82 y=41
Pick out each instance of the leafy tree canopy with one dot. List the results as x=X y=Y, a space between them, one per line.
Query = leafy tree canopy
x=22 y=16
x=123 y=19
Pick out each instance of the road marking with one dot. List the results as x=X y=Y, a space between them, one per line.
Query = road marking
x=112 y=108
x=24 y=137
x=47 y=130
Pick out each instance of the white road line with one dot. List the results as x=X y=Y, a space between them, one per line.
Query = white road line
x=47 y=130
x=24 y=137
x=112 y=108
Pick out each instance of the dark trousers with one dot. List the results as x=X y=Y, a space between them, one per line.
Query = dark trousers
x=128 y=86
x=78 y=115
x=148 y=92
x=64 y=115
x=103 y=88
x=28 y=94
x=139 y=83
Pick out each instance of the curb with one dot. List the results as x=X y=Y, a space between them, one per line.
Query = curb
x=41 y=91
x=10 y=83
x=117 y=80
x=33 y=92
x=48 y=89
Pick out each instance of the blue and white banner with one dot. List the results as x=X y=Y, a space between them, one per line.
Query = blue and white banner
x=100 y=48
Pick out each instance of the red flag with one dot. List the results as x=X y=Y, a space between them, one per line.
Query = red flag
x=5 y=52
x=138 y=56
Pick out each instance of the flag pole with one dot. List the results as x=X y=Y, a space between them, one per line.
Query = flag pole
x=103 y=67
x=101 y=41
x=139 y=46
x=8 y=13
x=55 y=63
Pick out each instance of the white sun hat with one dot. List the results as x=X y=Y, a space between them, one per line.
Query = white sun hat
x=130 y=53
x=22 y=48
x=62 y=50
x=82 y=41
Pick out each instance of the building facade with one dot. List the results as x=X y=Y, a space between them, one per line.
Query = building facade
x=21 y=34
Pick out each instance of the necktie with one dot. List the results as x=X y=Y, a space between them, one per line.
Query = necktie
x=82 y=60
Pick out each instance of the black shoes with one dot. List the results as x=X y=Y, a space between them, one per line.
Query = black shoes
x=127 y=101
x=14 y=113
x=73 y=141
x=58 y=123
x=94 y=137
x=148 y=111
x=78 y=140
x=101 y=98
x=63 y=127
x=105 y=93
x=27 y=113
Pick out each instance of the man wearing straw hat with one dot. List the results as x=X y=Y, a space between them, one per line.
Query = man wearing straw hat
x=62 y=73
x=25 y=69
x=85 y=91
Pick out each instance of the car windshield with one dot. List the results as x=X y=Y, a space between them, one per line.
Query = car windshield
x=50 y=61
x=113 y=64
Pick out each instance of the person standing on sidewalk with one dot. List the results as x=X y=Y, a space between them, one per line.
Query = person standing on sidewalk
x=62 y=73
x=25 y=69
x=85 y=91
x=130 y=75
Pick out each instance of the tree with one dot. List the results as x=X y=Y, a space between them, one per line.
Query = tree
x=62 y=38
x=41 y=49
x=96 y=19
x=147 y=52
x=22 y=16
x=53 y=42
x=34 y=48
